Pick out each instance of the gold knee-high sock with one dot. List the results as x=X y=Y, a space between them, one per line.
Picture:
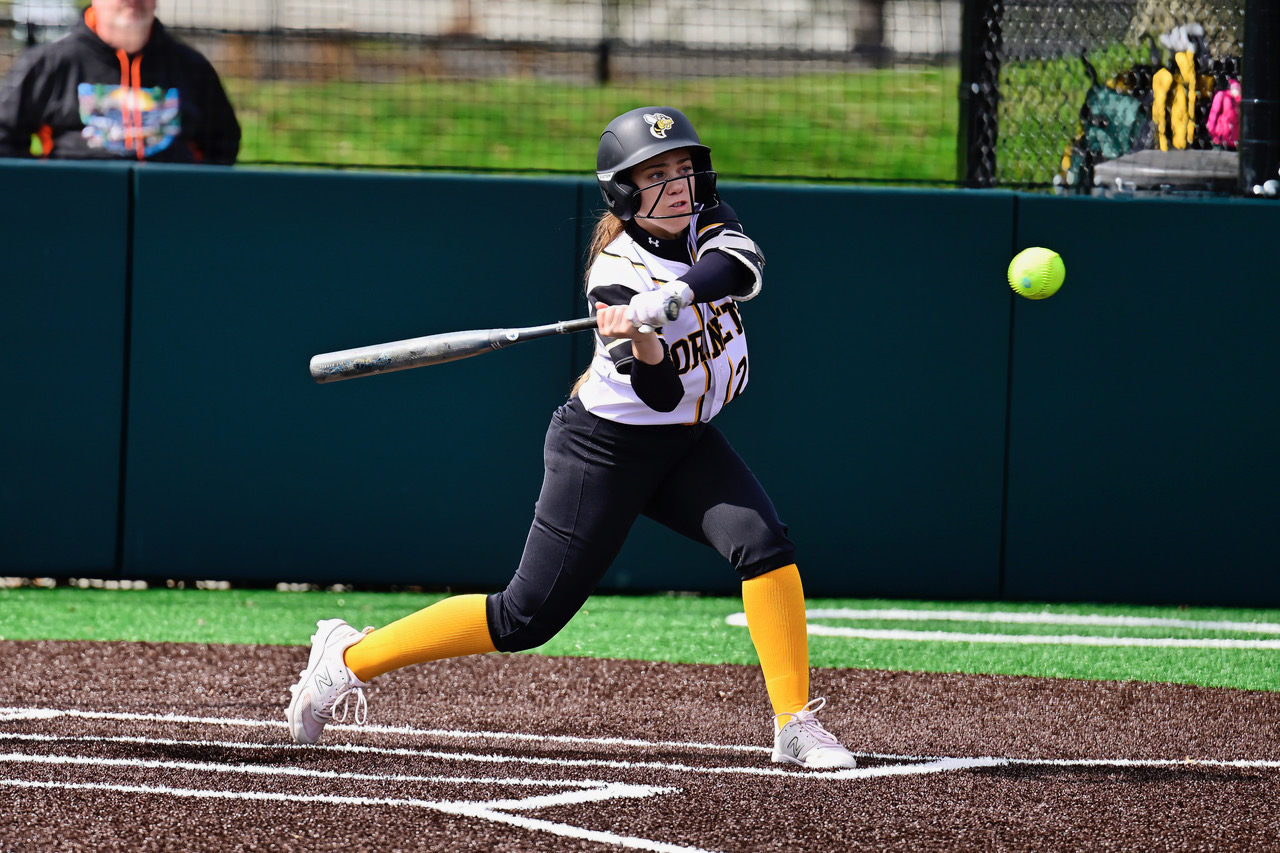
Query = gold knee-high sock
x=774 y=604
x=450 y=628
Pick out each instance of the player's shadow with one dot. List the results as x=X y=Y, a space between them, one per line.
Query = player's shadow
x=252 y=753
x=1111 y=774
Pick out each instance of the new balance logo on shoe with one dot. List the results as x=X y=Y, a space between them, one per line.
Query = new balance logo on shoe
x=327 y=683
x=804 y=742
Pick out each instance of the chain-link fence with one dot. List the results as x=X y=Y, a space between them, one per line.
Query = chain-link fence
x=1099 y=80
x=811 y=89
x=1010 y=93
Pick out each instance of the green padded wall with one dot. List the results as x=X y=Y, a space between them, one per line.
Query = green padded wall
x=890 y=363
x=241 y=467
x=1145 y=438
x=65 y=230
x=875 y=411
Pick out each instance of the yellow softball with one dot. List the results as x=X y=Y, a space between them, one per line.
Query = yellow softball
x=1036 y=273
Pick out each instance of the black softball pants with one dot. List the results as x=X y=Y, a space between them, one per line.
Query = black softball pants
x=600 y=477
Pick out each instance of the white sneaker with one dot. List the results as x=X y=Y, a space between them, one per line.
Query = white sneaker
x=803 y=741
x=326 y=682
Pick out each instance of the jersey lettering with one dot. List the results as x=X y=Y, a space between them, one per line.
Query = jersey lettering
x=687 y=353
x=680 y=356
x=716 y=335
x=731 y=308
x=698 y=345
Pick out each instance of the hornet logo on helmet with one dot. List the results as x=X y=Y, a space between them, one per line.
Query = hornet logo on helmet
x=659 y=124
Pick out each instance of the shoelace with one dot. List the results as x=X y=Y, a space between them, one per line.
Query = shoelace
x=810 y=725
x=339 y=709
x=340 y=706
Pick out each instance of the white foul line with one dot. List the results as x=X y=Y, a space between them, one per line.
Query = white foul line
x=492 y=758
x=497 y=811
x=260 y=770
x=479 y=810
x=11 y=714
x=8 y=714
x=1043 y=618
x=740 y=620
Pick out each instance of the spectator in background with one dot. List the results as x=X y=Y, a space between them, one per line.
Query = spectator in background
x=118 y=86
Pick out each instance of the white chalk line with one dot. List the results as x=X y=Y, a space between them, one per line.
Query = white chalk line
x=492 y=758
x=476 y=810
x=493 y=810
x=930 y=762
x=740 y=620
x=260 y=770
x=17 y=714
x=1043 y=618
x=1121 y=763
x=7 y=714
x=498 y=811
x=591 y=791
x=915 y=764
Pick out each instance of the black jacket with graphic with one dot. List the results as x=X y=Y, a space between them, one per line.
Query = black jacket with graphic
x=84 y=100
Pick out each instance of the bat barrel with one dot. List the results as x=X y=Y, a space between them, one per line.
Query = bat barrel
x=432 y=349
x=400 y=355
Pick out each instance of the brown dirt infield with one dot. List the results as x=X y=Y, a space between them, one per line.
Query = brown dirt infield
x=115 y=746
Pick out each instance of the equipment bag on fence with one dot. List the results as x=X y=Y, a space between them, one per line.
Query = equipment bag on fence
x=1111 y=124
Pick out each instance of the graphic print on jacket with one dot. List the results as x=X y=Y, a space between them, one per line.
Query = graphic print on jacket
x=116 y=118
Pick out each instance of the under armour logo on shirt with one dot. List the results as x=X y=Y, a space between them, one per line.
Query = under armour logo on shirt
x=653 y=241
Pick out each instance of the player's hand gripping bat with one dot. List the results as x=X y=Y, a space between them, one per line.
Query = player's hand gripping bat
x=437 y=349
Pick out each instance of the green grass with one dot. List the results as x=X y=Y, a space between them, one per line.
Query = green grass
x=871 y=125
x=688 y=629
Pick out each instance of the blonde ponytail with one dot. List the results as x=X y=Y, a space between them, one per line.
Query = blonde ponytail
x=606 y=230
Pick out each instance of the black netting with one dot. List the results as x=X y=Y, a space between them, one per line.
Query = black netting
x=1100 y=80
x=1007 y=93
x=815 y=89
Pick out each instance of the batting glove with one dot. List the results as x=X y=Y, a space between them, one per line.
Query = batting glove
x=650 y=308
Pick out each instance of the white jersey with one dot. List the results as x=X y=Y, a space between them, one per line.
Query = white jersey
x=708 y=343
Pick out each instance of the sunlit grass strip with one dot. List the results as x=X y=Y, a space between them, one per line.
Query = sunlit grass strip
x=895 y=125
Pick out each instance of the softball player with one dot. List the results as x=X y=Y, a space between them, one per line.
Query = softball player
x=634 y=438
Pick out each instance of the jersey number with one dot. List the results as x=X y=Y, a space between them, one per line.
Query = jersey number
x=742 y=379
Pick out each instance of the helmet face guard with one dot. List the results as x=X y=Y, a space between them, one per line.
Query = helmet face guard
x=636 y=136
x=702 y=185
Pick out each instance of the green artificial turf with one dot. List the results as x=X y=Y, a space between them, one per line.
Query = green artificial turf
x=678 y=628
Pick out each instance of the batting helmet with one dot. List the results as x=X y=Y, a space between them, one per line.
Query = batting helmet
x=634 y=137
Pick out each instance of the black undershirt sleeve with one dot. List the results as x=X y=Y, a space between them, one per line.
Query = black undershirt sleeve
x=715 y=276
x=619 y=349
x=657 y=385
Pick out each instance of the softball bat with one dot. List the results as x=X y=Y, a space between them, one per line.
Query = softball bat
x=438 y=349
